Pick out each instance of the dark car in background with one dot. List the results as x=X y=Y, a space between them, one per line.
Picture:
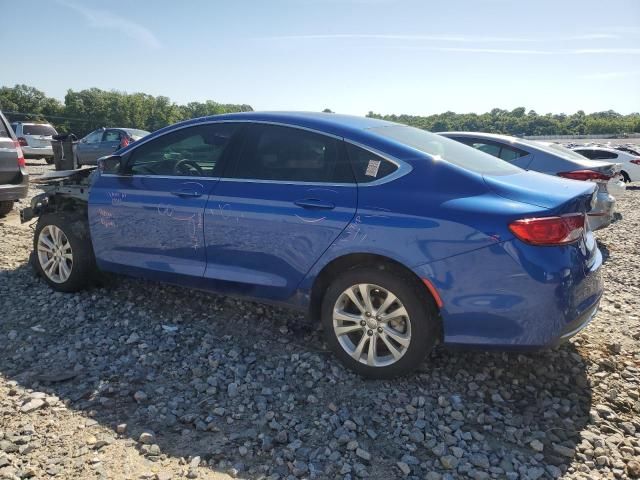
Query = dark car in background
x=552 y=160
x=105 y=141
x=14 y=180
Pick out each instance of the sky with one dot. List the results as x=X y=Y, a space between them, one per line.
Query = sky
x=352 y=56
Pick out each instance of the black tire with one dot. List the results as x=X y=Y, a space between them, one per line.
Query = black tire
x=418 y=302
x=76 y=229
x=625 y=176
x=5 y=207
x=49 y=160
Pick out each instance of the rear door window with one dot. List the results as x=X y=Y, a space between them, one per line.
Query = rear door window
x=277 y=153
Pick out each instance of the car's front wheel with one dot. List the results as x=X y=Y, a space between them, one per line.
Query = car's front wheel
x=63 y=252
x=379 y=322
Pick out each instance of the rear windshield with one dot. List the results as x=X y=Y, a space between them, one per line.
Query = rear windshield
x=446 y=149
x=38 y=130
x=558 y=150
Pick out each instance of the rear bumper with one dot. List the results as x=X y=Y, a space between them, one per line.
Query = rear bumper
x=15 y=191
x=602 y=213
x=37 y=152
x=515 y=296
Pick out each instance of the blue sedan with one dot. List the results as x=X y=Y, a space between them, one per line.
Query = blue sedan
x=395 y=239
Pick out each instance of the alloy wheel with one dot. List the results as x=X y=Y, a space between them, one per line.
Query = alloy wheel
x=372 y=325
x=55 y=254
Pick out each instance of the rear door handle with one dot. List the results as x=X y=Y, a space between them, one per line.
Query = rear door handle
x=315 y=204
x=186 y=193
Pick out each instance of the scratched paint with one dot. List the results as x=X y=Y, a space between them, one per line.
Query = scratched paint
x=192 y=223
x=105 y=218
x=117 y=197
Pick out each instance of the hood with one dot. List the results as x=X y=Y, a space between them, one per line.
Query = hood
x=541 y=190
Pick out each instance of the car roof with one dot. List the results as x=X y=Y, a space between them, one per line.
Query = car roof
x=335 y=123
x=354 y=128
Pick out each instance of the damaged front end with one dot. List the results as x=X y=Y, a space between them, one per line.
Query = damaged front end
x=63 y=190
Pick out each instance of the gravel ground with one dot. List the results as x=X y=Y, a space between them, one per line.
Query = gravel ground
x=141 y=380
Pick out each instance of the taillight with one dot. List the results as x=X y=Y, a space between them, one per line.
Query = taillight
x=21 y=162
x=22 y=142
x=584 y=175
x=549 y=230
x=636 y=161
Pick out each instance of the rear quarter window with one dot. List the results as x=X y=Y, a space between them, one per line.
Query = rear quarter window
x=367 y=166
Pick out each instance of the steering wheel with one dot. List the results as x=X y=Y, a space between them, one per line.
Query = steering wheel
x=185 y=167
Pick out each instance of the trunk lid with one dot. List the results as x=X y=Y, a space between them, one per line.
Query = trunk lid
x=547 y=191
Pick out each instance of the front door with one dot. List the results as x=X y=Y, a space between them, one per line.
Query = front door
x=148 y=218
x=87 y=148
x=281 y=203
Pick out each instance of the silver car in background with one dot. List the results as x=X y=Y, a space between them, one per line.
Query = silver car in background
x=35 y=139
x=553 y=159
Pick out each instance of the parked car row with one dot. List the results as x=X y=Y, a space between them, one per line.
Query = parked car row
x=35 y=140
x=394 y=238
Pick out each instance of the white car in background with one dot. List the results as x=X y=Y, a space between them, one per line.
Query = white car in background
x=35 y=139
x=630 y=163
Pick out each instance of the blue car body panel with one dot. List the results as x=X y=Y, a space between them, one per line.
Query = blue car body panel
x=142 y=224
x=447 y=224
x=261 y=243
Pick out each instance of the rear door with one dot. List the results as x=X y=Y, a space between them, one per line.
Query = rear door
x=9 y=168
x=281 y=203
x=148 y=219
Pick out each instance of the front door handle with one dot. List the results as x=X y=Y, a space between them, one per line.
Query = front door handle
x=315 y=204
x=186 y=193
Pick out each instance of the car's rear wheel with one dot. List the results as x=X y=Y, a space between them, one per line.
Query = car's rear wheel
x=64 y=256
x=5 y=207
x=378 y=322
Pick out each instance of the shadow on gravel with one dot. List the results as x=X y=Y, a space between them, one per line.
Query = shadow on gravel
x=604 y=250
x=252 y=388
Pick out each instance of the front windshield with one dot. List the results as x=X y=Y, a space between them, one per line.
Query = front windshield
x=442 y=148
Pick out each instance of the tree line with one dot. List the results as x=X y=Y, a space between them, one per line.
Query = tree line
x=85 y=110
x=519 y=122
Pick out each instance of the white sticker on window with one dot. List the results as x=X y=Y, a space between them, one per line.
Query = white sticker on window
x=372 y=168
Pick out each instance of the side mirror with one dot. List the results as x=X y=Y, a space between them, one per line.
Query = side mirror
x=110 y=164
